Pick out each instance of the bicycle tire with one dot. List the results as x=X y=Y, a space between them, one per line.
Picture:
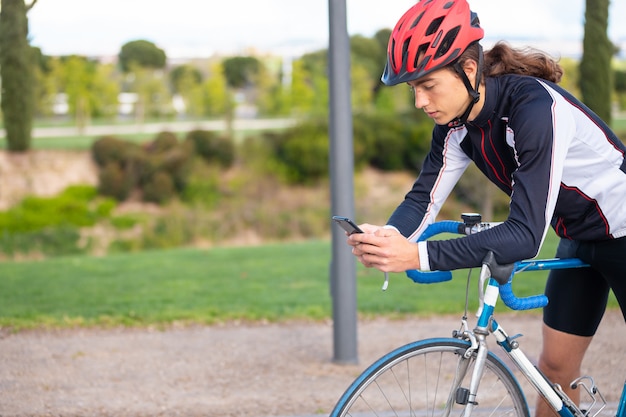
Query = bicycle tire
x=416 y=380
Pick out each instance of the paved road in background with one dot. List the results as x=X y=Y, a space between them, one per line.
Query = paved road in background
x=149 y=128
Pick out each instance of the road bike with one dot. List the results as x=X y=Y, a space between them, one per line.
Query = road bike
x=460 y=375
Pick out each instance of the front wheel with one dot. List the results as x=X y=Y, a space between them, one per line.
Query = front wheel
x=428 y=379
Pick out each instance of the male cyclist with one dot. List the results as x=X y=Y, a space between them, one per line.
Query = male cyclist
x=560 y=164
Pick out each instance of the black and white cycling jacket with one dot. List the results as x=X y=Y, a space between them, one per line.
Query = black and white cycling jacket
x=559 y=163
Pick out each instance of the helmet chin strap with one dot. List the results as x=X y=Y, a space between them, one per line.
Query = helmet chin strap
x=473 y=91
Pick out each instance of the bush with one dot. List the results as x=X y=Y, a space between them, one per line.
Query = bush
x=160 y=189
x=125 y=166
x=114 y=181
x=74 y=206
x=124 y=222
x=163 y=141
x=386 y=142
x=391 y=142
x=202 y=187
x=378 y=142
x=111 y=149
x=301 y=152
x=306 y=154
x=144 y=166
x=176 y=162
x=51 y=225
x=212 y=147
x=64 y=240
x=418 y=144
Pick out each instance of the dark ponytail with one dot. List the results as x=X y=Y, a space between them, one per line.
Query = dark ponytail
x=503 y=59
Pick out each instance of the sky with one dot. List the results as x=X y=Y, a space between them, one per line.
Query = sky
x=202 y=28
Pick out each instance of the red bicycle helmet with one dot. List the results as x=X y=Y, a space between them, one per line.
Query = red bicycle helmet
x=429 y=36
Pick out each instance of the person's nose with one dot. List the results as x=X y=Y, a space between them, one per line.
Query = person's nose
x=421 y=100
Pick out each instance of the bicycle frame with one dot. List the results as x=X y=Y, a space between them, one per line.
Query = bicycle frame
x=490 y=290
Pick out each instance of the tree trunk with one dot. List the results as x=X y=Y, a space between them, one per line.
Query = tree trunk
x=595 y=65
x=16 y=71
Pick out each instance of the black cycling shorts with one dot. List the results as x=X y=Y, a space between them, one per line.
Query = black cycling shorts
x=577 y=297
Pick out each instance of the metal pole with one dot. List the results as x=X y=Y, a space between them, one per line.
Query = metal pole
x=343 y=267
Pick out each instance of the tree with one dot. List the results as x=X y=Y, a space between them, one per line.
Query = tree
x=218 y=100
x=17 y=73
x=142 y=53
x=371 y=53
x=620 y=88
x=595 y=65
x=91 y=88
x=241 y=71
x=44 y=84
x=313 y=80
x=153 y=98
x=361 y=95
x=186 y=83
x=143 y=61
x=184 y=75
x=302 y=93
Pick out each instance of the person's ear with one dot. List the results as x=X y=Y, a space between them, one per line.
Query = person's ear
x=470 y=67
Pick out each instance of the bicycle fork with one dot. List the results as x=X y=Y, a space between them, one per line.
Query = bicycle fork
x=468 y=397
x=475 y=354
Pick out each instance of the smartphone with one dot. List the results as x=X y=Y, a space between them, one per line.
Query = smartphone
x=347 y=225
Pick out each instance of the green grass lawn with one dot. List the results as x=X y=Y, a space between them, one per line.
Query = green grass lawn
x=78 y=143
x=81 y=143
x=270 y=282
x=84 y=142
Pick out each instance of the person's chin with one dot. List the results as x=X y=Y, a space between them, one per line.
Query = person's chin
x=441 y=120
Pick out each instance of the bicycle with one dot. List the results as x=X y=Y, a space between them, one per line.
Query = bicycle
x=460 y=376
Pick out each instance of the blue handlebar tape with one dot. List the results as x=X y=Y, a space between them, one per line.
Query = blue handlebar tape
x=523 y=303
x=432 y=277
x=535 y=301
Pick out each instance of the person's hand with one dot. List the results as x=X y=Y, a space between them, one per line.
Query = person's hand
x=367 y=228
x=384 y=249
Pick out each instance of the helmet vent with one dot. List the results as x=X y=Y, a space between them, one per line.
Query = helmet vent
x=421 y=53
x=447 y=42
x=448 y=5
x=434 y=26
x=417 y=20
x=405 y=48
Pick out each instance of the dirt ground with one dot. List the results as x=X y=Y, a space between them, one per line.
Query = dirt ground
x=43 y=173
x=255 y=370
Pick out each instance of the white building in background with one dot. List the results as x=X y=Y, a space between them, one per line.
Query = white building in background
x=126 y=103
x=60 y=105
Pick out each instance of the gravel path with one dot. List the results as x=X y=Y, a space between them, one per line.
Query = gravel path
x=254 y=370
